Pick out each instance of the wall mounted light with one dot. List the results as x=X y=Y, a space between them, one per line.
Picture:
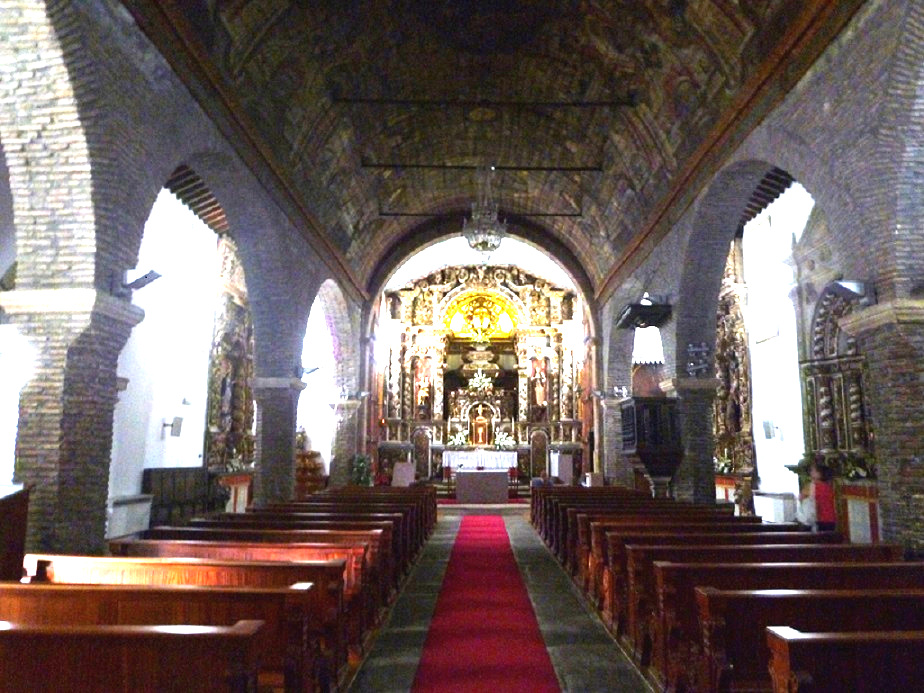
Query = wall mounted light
x=175 y=426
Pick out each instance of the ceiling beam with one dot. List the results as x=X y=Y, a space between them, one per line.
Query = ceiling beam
x=629 y=101
x=365 y=163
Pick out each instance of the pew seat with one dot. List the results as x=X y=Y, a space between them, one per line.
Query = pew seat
x=290 y=659
x=675 y=638
x=859 y=662
x=103 y=659
x=734 y=622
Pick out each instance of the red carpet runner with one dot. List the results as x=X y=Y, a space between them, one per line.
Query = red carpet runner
x=484 y=635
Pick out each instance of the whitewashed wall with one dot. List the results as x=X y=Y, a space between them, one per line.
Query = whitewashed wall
x=771 y=323
x=166 y=358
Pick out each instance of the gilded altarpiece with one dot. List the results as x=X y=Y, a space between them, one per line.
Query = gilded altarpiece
x=229 y=439
x=837 y=429
x=732 y=424
x=499 y=324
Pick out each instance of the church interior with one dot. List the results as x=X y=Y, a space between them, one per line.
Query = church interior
x=558 y=309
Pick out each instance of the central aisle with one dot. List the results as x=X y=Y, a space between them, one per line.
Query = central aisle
x=584 y=656
x=484 y=635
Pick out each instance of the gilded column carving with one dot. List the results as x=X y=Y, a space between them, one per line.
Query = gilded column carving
x=732 y=425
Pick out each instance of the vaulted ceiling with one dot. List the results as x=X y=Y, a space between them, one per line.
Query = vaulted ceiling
x=601 y=116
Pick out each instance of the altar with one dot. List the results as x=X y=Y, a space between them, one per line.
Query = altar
x=480 y=459
x=481 y=486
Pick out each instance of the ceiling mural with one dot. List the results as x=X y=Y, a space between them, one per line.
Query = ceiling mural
x=381 y=109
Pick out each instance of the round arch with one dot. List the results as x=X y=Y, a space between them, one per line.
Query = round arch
x=448 y=226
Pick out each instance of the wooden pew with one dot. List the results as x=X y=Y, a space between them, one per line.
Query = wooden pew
x=541 y=496
x=564 y=539
x=398 y=559
x=288 y=613
x=327 y=576
x=129 y=658
x=600 y=532
x=614 y=589
x=641 y=607
x=424 y=496
x=734 y=622
x=674 y=645
x=570 y=541
x=410 y=519
x=861 y=662
x=378 y=540
x=360 y=606
x=303 y=520
x=580 y=540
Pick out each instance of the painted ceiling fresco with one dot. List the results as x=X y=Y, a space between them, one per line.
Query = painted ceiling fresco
x=381 y=109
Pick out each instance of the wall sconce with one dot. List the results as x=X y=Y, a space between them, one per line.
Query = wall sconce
x=621 y=392
x=698 y=362
x=175 y=426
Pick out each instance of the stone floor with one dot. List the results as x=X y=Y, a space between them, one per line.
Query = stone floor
x=584 y=655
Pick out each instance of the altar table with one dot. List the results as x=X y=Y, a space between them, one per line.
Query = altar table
x=479 y=458
x=484 y=486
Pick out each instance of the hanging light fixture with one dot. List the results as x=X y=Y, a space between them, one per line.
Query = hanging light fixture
x=484 y=231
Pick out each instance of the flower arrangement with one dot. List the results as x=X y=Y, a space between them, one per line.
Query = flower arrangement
x=480 y=382
x=502 y=439
x=459 y=438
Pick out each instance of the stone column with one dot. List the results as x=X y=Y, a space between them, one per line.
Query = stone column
x=695 y=479
x=890 y=336
x=64 y=438
x=616 y=466
x=277 y=402
x=346 y=440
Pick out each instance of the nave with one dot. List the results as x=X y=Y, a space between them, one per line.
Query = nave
x=583 y=655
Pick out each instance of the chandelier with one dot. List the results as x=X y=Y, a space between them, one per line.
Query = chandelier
x=484 y=231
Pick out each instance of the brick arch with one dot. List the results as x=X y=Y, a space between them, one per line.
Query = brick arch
x=50 y=167
x=444 y=227
x=714 y=226
x=265 y=243
x=344 y=328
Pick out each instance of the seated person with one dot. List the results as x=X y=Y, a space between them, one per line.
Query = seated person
x=541 y=480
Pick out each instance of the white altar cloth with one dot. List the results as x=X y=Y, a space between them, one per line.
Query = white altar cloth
x=485 y=486
x=473 y=459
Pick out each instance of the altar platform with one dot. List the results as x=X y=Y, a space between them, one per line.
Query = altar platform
x=482 y=486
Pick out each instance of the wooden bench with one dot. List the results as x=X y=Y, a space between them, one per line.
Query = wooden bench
x=675 y=649
x=541 y=497
x=289 y=657
x=614 y=589
x=424 y=496
x=412 y=522
x=600 y=532
x=129 y=658
x=579 y=538
x=378 y=540
x=564 y=540
x=398 y=560
x=360 y=606
x=641 y=607
x=303 y=520
x=734 y=622
x=862 y=662
x=327 y=576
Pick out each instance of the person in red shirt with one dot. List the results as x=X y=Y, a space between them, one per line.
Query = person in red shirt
x=822 y=490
